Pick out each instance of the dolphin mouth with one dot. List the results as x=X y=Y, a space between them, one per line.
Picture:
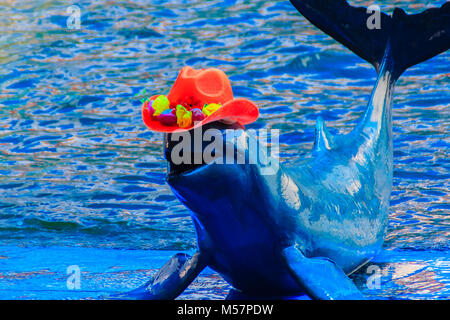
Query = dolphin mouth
x=184 y=161
x=175 y=170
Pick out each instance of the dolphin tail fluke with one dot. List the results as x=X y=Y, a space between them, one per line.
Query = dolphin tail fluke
x=412 y=38
x=418 y=37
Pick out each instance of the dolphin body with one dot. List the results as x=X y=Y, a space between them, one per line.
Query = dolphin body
x=304 y=228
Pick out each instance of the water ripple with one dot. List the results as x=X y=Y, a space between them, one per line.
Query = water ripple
x=78 y=167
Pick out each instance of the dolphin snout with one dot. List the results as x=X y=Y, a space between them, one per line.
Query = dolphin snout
x=185 y=151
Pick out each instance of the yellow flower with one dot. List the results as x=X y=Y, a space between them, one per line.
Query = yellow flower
x=185 y=121
x=160 y=104
x=184 y=117
x=211 y=108
x=180 y=110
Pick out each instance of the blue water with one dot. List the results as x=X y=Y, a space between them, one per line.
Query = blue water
x=79 y=169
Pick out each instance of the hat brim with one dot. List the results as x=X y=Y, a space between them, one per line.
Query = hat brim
x=240 y=110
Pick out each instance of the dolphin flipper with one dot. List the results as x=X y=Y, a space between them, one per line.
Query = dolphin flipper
x=170 y=281
x=321 y=278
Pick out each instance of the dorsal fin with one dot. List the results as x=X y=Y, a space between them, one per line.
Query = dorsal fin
x=323 y=140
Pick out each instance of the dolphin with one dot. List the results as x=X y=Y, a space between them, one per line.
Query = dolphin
x=303 y=228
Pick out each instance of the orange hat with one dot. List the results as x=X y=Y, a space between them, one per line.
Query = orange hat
x=206 y=86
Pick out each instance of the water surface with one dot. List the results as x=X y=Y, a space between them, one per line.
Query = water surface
x=78 y=168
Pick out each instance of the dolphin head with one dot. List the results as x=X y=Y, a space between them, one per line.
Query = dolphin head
x=215 y=169
x=197 y=167
x=188 y=151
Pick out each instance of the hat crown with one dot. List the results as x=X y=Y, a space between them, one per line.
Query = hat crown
x=205 y=85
